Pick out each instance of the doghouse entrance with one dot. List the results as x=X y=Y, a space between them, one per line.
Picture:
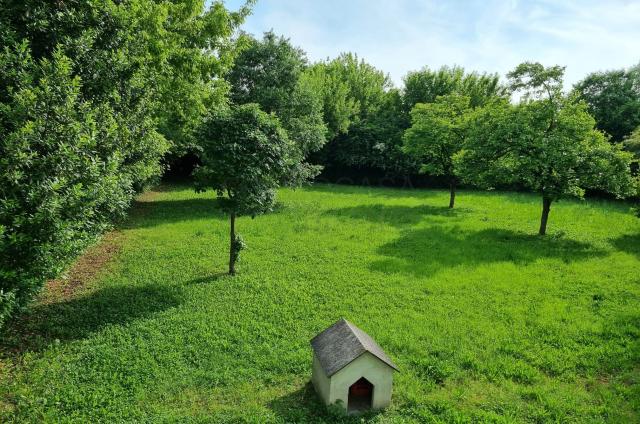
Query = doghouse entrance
x=360 y=396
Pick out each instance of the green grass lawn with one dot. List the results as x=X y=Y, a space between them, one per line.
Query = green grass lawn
x=486 y=320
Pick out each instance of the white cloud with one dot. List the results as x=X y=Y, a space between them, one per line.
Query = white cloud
x=492 y=35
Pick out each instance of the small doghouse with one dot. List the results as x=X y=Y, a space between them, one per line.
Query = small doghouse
x=350 y=368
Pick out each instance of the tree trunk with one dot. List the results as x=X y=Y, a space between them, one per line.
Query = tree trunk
x=452 y=198
x=232 y=254
x=546 y=208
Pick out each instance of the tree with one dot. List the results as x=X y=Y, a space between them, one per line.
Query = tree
x=438 y=132
x=89 y=93
x=363 y=113
x=339 y=108
x=269 y=72
x=245 y=155
x=426 y=85
x=613 y=98
x=547 y=143
x=632 y=143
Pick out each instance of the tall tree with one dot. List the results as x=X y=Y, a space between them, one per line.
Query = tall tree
x=269 y=72
x=89 y=93
x=547 y=143
x=426 y=85
x=632 y=143
x=613 y=98
x=363 y=113
x=245 y=155
x=438 y=132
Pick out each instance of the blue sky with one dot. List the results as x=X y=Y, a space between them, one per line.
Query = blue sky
x=398 y=36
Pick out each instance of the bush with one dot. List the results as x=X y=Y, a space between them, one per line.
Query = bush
x=68 y=169
x=88 y=92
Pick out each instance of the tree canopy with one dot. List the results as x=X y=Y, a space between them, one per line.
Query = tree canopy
x=547 y=143
x=246 y=155
x=613 y=98
x=438 y=132
x=92 y=96
x=426 y=85
x=269 y=72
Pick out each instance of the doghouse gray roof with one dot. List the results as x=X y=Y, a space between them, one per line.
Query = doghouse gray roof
x=341 y=344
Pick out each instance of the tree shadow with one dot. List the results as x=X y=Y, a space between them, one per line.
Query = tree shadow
x=77 y=318
x=629 y=243
x=303 y=406
x=424 y=252
x=208 y=279
x=395 y=215
x=146 y=214
x=374 y=191
x=159 y=212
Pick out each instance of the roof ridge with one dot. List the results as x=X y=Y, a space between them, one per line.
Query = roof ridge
x=355 y=332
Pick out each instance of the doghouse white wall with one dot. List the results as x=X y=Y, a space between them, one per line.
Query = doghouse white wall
x=336 y=388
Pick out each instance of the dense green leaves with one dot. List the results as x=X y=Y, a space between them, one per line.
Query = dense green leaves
x=426 y=85
x=613 y=98
x=246 y=155
x=547 y=143
x=89 y=93
x=269 y=72
x=438 y=132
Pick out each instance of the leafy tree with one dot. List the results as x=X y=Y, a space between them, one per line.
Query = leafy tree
x=426 y=85
x=632 y=143
x=547 y=143
x=339 y=108
x=613 y=98
x=246 y=155
x=88 y=92
x=438 y=132
x=269 y=72
x=170 y=55
x=364 y=115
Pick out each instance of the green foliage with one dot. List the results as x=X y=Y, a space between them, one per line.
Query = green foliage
x=613 y=98
x=364 y=115
x=339 y=108
x=438 y=131
x=632 y=143
x=486 y=322
x=87 y=90
x=237 y=245
x=426 y=85
x=547 y=143
x=270 y=73
x=245 y=156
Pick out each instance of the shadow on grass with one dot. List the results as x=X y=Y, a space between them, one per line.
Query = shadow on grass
x=160 y=212
x=304 y=406
x=396 y=215
x=77 y=318
x=426 y=251
x=374 y=191
x=629 y=243
x=209 y=279
x=147 y=214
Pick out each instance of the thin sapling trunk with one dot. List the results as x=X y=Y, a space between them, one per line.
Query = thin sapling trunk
x=546 y=208
x=233 y=255
x=452 y=190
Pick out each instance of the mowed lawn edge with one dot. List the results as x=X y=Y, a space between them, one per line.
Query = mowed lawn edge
x=487 y=321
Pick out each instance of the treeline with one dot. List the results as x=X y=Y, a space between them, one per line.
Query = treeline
x=98 y=98
x=366 y=116
x=94 y=94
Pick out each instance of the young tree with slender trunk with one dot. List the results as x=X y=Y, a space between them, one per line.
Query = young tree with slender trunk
x=438 y=132
x=246 y=156
x=546 y=143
